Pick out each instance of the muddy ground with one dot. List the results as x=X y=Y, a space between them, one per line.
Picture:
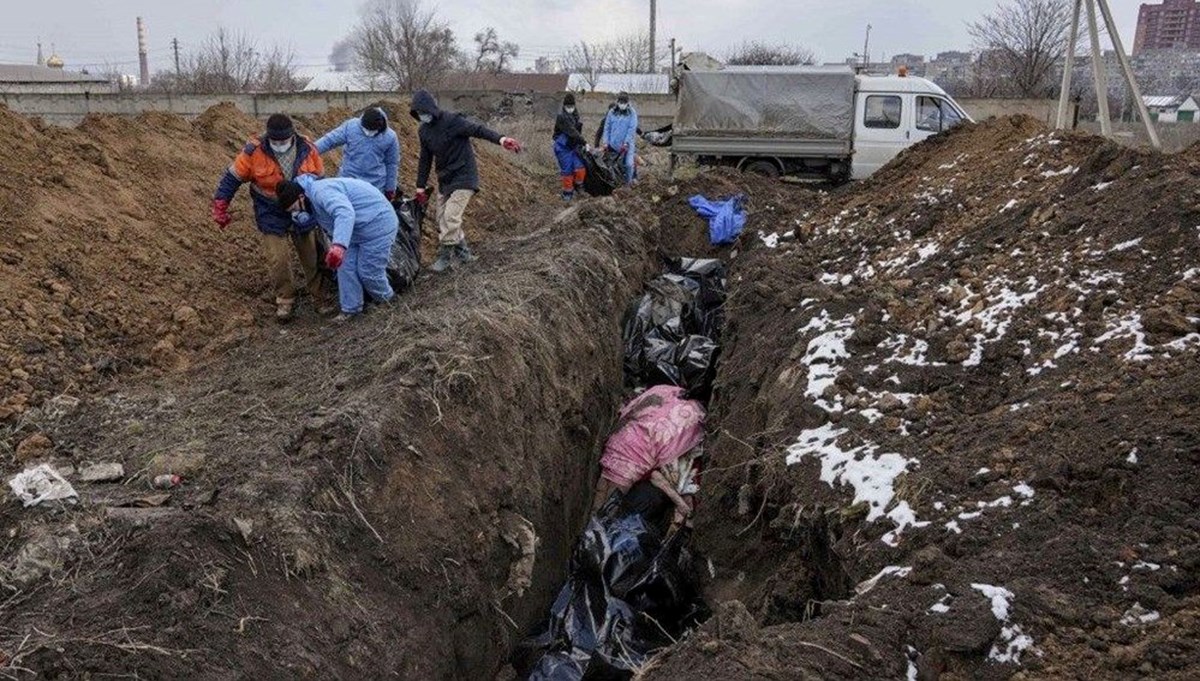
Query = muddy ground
x=953 y=433
x=972 y=377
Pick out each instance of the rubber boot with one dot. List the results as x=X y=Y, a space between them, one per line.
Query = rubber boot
x=567 y=196
x=445 y=258
x=463 y=254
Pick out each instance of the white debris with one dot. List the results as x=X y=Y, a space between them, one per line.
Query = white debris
x=40 y=484
x=1102 y=186
x=1133 y=457
x=952 y=526
x=1069 y=170
x=889 y=571
x=1024 y=490
x=913 y=672
x=769 y=240
x=1010 y=205
x=983 y=471
x=1143 y=565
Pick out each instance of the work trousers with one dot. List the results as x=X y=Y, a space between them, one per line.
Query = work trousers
x=277 y=249
x=450 y=216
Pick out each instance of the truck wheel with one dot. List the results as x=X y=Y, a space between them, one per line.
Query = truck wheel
x=763 y=168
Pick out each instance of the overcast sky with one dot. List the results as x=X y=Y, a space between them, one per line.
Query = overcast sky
x=93 y=32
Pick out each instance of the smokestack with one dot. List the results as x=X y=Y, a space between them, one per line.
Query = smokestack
x=143 y=60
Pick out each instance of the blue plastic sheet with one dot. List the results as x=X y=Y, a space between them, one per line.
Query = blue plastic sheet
x=726 y=219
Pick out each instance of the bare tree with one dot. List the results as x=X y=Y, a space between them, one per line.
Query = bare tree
x=761 y=54
x=1027 y=38
x=404 y=42
x=589 y=60
x=231 y=61
x=491 y=55
x=631 y=54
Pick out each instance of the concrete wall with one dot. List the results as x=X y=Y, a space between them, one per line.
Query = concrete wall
x=70 y=109
x=655 y=110
x=1175 y=137
x=1045 y=110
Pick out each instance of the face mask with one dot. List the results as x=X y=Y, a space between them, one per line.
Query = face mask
x=281 y=147
x=623 y=107
x=371 y=133
x=426 y=118
x=570 y=109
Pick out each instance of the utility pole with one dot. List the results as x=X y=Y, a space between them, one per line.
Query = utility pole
x=672 y=59
x=1069 y=68
x=867 y=48
x=175 y=45
x=653 y=29
x=1100 y=71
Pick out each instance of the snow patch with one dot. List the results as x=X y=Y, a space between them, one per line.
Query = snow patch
x=889 y=571
x=872 y=475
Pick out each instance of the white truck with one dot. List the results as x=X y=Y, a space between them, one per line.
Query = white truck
x=823 y=122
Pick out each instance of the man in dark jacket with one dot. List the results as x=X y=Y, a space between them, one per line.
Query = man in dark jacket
x=446 y=142
x=569 y=144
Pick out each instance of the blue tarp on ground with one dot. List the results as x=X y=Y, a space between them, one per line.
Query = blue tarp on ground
x=725 y=218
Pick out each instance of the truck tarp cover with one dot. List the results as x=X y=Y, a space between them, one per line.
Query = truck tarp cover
x=801 y=104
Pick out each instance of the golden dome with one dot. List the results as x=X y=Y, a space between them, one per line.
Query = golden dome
x=54 y=62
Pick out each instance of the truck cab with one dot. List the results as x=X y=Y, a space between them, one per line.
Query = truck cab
x=893 y=113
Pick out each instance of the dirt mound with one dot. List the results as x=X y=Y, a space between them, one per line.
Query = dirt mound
x=769 y=204
x=114 y=266
x=226 y=125
x=399 y=494
x=956 y=423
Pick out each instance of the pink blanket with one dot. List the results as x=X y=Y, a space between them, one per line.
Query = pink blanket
x=656 y=428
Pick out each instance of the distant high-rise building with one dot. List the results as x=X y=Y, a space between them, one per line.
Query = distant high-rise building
x=1174 y=24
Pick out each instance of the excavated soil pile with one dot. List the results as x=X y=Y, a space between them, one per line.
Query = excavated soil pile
x=956 y=426
x=395 y=497
x=111 y=264
x=770 y=204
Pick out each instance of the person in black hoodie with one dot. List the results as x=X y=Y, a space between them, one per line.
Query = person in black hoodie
x=446 y=143
x=569 y=145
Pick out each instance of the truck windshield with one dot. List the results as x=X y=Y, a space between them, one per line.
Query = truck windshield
x=935 y=114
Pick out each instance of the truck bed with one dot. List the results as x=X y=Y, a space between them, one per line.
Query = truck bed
x=766 y=112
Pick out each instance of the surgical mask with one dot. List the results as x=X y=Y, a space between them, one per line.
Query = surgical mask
x=371 y=133
x=623 y=107
x=570 y=109
x=281 y=147
x=425 y=118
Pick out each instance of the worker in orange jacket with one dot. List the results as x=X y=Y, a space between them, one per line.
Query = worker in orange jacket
x=265 y=161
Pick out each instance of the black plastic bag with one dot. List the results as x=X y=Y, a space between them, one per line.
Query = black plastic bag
x=404 y=262
x=630 y=592
x=672 y=333
x=605 y=173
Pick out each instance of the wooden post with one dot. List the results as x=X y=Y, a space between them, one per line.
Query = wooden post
x=1099 y=73
x=1064 y=97
x=1130 y=78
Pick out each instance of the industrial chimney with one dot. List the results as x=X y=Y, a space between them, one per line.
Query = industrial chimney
x=143 y=60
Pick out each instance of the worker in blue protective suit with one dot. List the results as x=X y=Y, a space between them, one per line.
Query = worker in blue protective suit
x=361 y=225
x=620 y=133
x=569 y=147
x=372 y=150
